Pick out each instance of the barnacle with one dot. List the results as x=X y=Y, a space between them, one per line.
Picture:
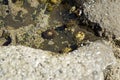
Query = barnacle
x=49 y=34
x=76 y=11
x=80 y=36
x=55 y=1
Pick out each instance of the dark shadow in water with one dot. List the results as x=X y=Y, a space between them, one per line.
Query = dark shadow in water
x=8 y=41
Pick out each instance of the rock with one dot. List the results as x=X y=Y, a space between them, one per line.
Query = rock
x=112 y=72
x=86 y=63
x=106 y=13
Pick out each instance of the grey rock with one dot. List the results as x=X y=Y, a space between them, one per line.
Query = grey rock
x=86 y=63
x=106 y=13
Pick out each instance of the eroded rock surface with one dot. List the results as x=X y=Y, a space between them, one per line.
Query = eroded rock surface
x=18 y=62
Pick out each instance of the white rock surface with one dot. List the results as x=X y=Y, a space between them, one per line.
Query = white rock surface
x=86 y=63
